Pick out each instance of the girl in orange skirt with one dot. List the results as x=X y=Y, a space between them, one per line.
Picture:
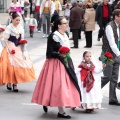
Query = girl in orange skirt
x=17 y=66
x=57 y=85
x=1 y=48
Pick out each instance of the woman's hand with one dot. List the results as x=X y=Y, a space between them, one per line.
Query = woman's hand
x=104 y=65
x=63 y=55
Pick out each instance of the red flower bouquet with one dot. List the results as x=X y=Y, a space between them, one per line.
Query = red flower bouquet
x=2 y=29
x=12 y=51
x=107 y=57
x=22 y=42
x=66 y=51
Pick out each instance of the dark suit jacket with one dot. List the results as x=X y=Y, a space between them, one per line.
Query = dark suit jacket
x=76 y=14
x=99 y=14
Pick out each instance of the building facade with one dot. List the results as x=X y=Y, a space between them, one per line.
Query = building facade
x=4 y=5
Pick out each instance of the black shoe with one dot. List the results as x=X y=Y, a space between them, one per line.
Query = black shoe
x=100 y=59
x=118 y=85
x=45 y=109
x=86 y=47
x=73 y=47
x=9 y=88
x=73 y=108
x=88 y=110
x=14 y=90
x=63 y=116
x=114 y=103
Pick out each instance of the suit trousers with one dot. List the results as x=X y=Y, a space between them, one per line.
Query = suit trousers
x=111 y=73
x=105 y=21
x=39 y=20
x=88 y=36
x=75 y=37
x=46 y=21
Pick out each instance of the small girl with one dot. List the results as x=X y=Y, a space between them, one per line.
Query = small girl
x=88 y=73
x=32 y=24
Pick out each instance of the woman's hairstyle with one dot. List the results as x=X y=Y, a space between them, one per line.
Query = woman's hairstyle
x=56 y=23
x=89 y=5
x=85 y=53
x=14 y=15
x=116 y=12
x=117 y=5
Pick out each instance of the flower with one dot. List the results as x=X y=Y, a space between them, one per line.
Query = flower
x=22 y=42
x=66 y=51
x=107 y=57
x=12 y=51
x=2 y=29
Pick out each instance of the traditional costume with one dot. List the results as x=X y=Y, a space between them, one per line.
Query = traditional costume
x=17 y=8
x=89 y=78
x=1 y=49
x=17 y=68
x=32 y=24
x=57 y=84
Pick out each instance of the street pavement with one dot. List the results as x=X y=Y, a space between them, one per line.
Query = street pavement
x=18 y=106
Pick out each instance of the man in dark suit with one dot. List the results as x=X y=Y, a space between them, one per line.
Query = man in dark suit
x=75 y=22
x=31 y=1
x=103 y=16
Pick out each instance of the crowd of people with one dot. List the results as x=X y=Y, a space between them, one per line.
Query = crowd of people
x=59 y=83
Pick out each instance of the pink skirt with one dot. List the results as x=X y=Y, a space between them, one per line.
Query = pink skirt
x=54 y=86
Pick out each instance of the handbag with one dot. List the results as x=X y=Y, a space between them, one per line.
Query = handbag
x=82 y=27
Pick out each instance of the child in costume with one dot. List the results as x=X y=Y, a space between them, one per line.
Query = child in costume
x=89 y=78
x=32 y=24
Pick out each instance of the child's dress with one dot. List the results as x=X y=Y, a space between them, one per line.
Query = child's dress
x=89 y=79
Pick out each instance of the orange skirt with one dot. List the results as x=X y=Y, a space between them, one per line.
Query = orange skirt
x=15 y=69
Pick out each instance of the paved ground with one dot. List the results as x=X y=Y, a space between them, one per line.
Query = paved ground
x=18 y=106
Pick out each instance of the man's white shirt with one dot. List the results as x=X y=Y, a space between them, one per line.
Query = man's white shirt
x=111 y=39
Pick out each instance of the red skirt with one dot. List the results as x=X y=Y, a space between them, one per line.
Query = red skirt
x=54 y=86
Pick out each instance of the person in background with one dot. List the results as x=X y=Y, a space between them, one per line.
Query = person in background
x=89 y=20
x=58 y=6
x=32 y=24
x=103 y=16
x=54 y=17
x=37 y=4
x=16 y=7
x=95 y=4
x=67 y=9
x=9 y=19
x=117 y=5
x=80 y=4
x=75 y=22
x=46 y=10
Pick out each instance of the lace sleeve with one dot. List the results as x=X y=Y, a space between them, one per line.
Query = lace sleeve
x=7 y=33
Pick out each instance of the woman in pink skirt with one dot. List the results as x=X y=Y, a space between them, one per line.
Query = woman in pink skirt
x=57 y=85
